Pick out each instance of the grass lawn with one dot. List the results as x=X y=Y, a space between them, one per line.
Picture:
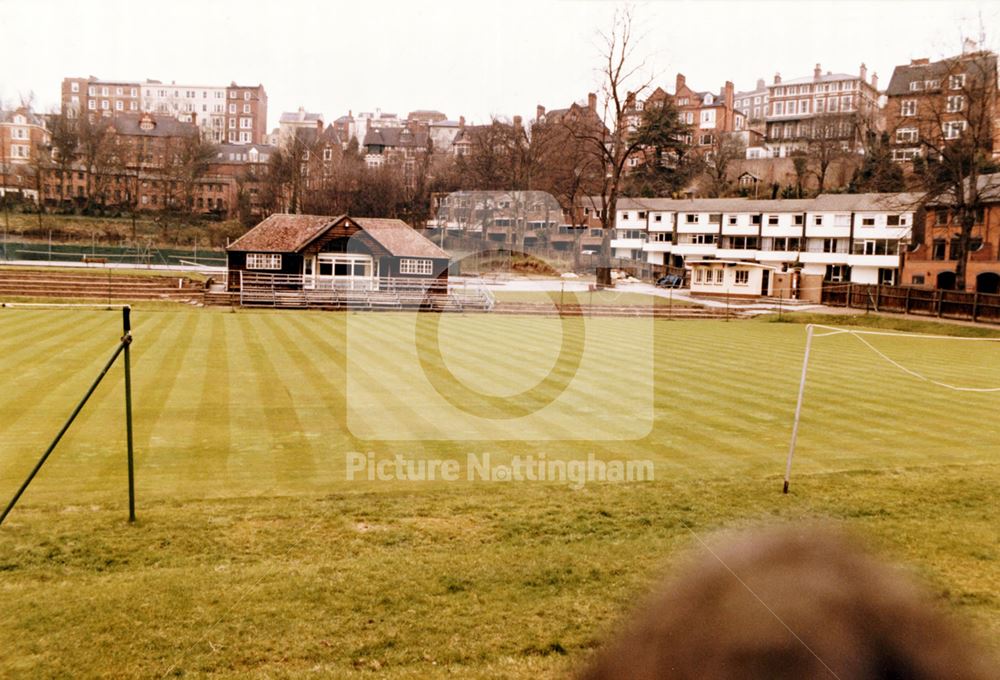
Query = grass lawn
x=255 y=556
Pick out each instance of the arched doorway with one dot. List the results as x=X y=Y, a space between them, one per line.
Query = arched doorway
x=946 y=281
x=988 y=282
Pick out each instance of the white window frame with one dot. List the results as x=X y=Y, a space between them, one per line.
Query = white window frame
x=908 y=108
x=416 y=267
x=264 y=261
x=953 y=129
x=741 y=277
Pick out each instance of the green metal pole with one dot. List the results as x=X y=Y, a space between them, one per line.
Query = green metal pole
x=10 y=506
x=127 y=342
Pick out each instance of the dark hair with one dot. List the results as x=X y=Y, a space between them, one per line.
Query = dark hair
x=801 y=602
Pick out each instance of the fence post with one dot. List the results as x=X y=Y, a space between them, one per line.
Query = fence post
x=850 y=296
x=975 y=305
x=906 y=301
x=878 y=296
x=938 y=297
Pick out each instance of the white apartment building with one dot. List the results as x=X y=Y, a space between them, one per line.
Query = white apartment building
x=741 y=246
x=199 y=104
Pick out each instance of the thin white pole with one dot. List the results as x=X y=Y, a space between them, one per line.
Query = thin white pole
x=798 y=407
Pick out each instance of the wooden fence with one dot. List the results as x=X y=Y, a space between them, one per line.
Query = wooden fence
x=947 y=304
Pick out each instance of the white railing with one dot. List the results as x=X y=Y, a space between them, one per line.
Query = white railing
x=296 y=290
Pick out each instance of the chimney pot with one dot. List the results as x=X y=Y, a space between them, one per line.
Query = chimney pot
x=777 y=78
x=817 y=72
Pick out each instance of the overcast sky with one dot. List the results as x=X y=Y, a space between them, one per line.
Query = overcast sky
x=475 y=59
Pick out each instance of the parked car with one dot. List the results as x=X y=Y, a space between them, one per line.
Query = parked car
x=670 y=281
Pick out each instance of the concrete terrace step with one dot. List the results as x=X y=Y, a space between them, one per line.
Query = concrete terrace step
x=96 y=285
x=98 y=279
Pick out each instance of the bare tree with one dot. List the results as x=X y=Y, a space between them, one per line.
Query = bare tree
x=97 y=153
x=608 y=133
x=831 y=137
x=65 y=141
x=727 y=148
x=956 y=138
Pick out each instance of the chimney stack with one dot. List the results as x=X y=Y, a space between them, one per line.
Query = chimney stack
x=863 y=73
x=461 y=121
x=761 y=84
x=817 y=72
x=591 y=101
x=539 y=112
x=875 y=81
x=517 y=122
x=728 y=95
x=319 y=127
x=777 y=79
x=679 y=84
x=923 y=61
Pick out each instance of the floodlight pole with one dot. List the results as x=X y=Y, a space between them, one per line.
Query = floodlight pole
x=798 y=407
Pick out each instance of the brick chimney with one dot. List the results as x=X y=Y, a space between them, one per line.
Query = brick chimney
x=461 y=121
x=728 y=95
x=777 y=79
x=517 y=122
x=539 y=112
x=923 y=61
x=817 y=72
x=875 y=81
x=761 y=84
x=679 y=83
x=319 y=127
x=863 y=73
x=592 y=101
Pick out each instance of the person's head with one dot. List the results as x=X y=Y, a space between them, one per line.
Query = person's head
x=789 y=603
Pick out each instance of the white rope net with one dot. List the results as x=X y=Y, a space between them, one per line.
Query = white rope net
x=883 y=354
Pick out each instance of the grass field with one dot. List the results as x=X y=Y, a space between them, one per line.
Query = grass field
x=255 y=556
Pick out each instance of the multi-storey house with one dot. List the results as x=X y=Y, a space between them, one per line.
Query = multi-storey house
x=783 y=247
x=931 y=261
x=203 y=105
x=246 y=114
x=93 y=96
x=929 y=104
x=24 y=139
x=235 y=113
x=827 y=106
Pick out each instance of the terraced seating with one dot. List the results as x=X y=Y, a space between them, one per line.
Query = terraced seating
x=96 y=286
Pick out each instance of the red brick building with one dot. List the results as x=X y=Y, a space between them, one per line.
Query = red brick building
x=246 y=114
x=931 y=103
x=235 y=113
x=24 y=138
x=932 y=259
x=94 y=96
